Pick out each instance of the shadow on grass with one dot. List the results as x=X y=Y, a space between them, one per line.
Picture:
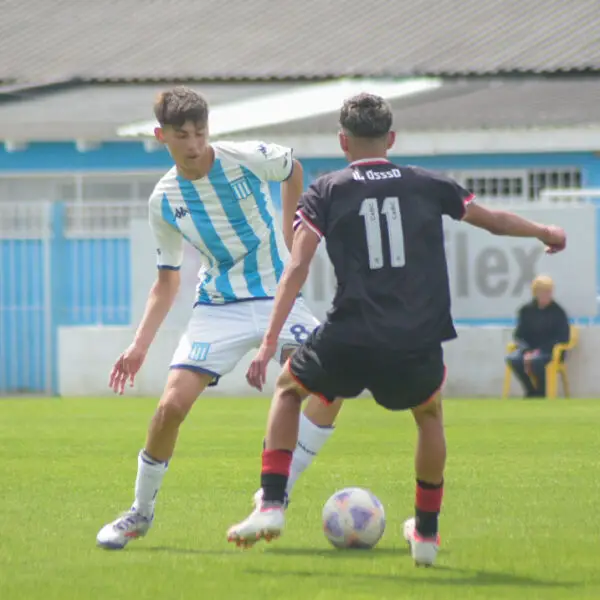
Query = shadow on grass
x=440 y=575
x=190 y=551
x=334 y=554
x=460 y=577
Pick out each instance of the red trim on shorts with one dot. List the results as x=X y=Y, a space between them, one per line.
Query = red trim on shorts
x=438 y=390
x=303 y=387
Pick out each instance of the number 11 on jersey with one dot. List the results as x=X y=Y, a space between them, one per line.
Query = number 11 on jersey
x=369 y=210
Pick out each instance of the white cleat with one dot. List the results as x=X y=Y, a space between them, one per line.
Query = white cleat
x=265 y=523
x=423 y=550
x=129 y=526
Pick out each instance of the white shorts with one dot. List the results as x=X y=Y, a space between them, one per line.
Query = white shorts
x=218 y=337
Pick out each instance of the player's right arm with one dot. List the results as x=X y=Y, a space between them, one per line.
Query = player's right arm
x=169 y=256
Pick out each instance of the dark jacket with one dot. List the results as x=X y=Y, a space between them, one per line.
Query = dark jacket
x=541 y=328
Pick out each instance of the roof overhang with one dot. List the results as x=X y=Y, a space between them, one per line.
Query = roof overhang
x=292 y=105
x=432 y=143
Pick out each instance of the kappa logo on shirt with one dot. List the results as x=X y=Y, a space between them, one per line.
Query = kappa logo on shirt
x=181 y=212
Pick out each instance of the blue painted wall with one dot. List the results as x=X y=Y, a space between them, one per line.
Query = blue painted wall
x=127 y=156
x=91 y=278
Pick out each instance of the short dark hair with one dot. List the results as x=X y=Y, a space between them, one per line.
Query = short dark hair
x=181 y=104
x=366 y=116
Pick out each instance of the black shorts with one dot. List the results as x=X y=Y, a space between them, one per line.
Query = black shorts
x=332 y=369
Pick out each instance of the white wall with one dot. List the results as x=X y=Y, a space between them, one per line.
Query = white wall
x=474 y=360
x=490 y=276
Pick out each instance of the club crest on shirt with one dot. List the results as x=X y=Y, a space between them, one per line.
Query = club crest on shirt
x=241 y=188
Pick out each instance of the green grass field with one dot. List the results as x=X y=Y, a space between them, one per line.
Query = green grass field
x=520 y=517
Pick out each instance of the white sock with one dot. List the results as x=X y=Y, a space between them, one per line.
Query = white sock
x=311 y=438
x=148 y=481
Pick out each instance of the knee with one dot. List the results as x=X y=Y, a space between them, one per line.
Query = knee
x=430 y=413
x=320 y=413
x=171 y=411
x=287 y=388
x=513 y=360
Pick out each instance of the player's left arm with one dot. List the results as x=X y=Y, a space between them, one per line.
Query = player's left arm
x=502 y=222
x=273 y=162
x=293 y=278
x=291 y=190
x=460 y=204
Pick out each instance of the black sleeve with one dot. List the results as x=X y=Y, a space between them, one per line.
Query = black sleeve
x=519 y=334
x=312 y=209
x=453 y=197
x=558 y=332
x=563 y=330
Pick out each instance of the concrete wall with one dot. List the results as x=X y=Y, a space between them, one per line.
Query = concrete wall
x=475 y=363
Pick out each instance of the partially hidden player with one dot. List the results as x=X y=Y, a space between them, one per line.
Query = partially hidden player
x=216 y=197
x=382 y=225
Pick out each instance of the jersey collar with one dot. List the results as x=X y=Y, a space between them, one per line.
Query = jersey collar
x=370 y=161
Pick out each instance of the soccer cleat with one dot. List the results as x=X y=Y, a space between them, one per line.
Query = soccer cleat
x=129 y=526
x=265 y=523
x=258 y=496
x=423 y=550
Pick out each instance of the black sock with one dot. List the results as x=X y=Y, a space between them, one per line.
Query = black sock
x=427 y=523
x=273 y=487
x=274 y=474
x=427 y=509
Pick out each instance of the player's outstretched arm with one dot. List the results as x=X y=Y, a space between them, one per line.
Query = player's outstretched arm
x=160 y=299
x=291 y=190
x=294 y=276
x=500 y=222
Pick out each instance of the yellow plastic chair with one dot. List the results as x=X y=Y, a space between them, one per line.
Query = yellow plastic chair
x=554 y=368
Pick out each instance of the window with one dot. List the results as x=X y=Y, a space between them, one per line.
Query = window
x=517 y=185
x=495 y=186
x=552 y=179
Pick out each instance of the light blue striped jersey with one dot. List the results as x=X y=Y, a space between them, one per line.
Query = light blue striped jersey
x=229 y=217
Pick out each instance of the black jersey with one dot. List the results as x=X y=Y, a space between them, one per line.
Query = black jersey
x=383 y=229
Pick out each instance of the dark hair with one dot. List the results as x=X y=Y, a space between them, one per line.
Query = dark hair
x=179 y=105
x=366 y=116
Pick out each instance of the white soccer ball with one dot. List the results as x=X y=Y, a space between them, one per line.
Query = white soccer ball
x=353 y=518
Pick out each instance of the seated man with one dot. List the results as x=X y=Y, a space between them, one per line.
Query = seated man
x=542 y=323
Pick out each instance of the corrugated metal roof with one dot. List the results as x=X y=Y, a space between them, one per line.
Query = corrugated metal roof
x=195 y=39
x=95 y=112
x=484 y=104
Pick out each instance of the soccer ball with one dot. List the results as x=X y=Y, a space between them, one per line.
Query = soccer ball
x=353 y=518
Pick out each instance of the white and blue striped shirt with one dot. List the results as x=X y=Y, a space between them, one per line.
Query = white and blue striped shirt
x=229 y=217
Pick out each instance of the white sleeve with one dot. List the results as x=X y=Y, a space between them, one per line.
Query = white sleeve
x=169 y=241
x=271 y=162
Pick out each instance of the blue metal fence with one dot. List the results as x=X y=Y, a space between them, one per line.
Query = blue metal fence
x=52 y=279
x=23 y=352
